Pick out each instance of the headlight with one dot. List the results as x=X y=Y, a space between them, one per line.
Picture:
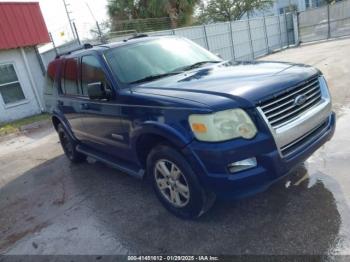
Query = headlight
x=223 y=125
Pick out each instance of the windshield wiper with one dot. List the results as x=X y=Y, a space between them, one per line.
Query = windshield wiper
x=196 y=65
x=154 y=77
x=175 y=72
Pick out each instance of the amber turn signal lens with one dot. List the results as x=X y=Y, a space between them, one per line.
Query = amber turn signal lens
x=199 y=128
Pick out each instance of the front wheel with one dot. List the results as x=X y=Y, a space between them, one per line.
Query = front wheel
x=175 y=183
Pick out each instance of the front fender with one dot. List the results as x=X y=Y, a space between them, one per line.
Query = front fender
x=180 y=139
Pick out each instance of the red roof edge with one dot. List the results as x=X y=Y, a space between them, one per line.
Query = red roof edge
x=22 y=24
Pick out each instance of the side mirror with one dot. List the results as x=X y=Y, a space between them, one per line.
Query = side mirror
x=96 y=90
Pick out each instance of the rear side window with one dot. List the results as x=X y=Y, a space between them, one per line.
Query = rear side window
x=70 y=77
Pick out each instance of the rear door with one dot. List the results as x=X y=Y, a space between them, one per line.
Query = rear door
x=70 y=94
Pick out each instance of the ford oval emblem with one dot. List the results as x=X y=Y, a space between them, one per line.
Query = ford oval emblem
x=299 y=100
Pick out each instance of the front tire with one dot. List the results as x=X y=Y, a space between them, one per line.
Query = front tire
x=69 y=146
x=176 y=185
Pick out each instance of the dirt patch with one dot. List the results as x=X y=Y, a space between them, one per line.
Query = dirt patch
x=13 y=238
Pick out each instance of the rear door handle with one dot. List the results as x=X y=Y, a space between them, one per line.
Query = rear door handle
x=84 y=106
x=60 y=103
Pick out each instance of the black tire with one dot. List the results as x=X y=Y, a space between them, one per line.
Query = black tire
x=69 y=146
x=199 y=201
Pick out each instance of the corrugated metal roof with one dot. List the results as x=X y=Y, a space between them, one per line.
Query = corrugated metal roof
x=21 y=24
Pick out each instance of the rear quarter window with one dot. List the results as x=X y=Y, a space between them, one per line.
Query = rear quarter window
x=51 y=84
x=51 y=77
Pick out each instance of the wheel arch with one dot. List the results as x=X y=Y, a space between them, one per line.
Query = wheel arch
x=149 y=135
x=57 y=119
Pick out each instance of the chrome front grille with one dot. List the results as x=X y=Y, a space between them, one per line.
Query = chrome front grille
x=292 y=146
x=283 y=108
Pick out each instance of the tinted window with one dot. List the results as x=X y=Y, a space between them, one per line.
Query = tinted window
x=91 y=72
x=71 y=77
x=133 y=62
x=51 y=76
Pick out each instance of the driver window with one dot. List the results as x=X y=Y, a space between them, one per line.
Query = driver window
x=91 y=72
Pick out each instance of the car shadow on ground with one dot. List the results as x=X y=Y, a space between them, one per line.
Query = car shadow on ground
x=57 y=203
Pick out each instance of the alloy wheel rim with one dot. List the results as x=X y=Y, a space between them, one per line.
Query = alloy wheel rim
x=172 y=183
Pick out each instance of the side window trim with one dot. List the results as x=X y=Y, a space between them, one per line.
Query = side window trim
x=61 y=77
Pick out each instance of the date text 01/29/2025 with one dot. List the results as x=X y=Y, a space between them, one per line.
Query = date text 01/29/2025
x=173 y=258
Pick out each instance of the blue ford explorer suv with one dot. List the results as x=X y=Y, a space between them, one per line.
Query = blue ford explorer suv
x=197 y=126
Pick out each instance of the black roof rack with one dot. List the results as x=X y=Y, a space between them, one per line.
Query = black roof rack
x=136 y=36
x=84 y=46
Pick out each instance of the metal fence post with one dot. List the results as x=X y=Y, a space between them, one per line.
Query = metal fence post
x=279 y=26
x=76 y=33
x=53 y=43
x=250 y=39
x=266 y=36
x=297 y=39
x=40 y=60
x=232 y=43
x=286 y=24
x=329 y=23
x=206 y=37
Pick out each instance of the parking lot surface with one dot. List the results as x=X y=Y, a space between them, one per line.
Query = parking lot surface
x=49 y=206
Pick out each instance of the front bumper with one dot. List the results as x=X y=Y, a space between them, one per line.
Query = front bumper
x=210 y=161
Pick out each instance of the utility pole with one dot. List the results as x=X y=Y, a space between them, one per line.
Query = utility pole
x=69 y=18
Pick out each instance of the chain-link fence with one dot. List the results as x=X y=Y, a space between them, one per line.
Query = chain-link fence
x=145 y=25
x=236 y=40
x=326 y=22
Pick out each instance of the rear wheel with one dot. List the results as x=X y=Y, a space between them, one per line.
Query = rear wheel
x=69 y=146
x=176 y=185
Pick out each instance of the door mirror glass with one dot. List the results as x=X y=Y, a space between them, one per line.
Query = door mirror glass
x=96 y=90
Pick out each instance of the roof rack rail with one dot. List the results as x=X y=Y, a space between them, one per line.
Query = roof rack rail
x=136 y=36
x=84 y=46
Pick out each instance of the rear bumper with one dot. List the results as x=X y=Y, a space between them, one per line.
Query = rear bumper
x=210 y=161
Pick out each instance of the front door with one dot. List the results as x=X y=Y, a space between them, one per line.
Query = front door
x=101 y=115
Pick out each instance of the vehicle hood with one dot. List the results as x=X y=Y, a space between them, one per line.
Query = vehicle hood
x=244 y=82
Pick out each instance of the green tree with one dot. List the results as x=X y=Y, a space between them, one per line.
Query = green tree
x=131 y=9
x=228 y=10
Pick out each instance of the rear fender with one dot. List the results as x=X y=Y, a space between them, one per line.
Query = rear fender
x=65 y=124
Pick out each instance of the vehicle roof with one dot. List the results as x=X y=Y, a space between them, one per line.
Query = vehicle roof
x=104 y=47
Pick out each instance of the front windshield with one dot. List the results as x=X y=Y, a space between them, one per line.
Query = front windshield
x=135 y=62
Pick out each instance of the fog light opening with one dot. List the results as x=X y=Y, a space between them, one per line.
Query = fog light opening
x=242 y=165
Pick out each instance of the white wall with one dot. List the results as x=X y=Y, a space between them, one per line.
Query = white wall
x=29 y=106
x=275 y=8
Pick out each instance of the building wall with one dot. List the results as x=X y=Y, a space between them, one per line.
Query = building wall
x=29 y=106
x=279 y=5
